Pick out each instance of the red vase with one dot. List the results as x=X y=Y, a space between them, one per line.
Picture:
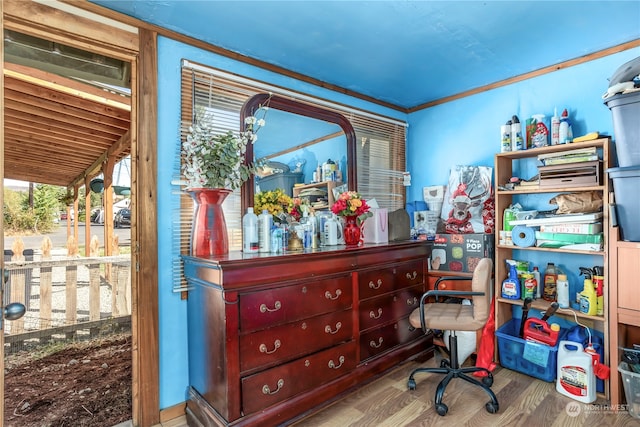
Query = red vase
x=352 y=233
x=209 y=229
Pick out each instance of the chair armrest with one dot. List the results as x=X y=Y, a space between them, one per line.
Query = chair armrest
x=436 y=293
x=450 y=278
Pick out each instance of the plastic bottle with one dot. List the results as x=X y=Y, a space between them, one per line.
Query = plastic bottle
x=550 y=277
x=517 y=141
x=505 y=137
x=250 y=232
x=265 y=220
x=307 y=239
x=315 y=237
x=575 y=375
x=529 y=286
x=598 y=282
x=331 y=231
x=555 y=128
x=565 y=132
x=276 y=239
x=511 y=285
x=536 y=275
x=588 y=298
x=563 y=291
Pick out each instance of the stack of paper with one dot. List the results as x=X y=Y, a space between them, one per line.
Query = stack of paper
x=588 y=154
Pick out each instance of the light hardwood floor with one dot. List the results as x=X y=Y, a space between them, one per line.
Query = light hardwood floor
x=524 y=401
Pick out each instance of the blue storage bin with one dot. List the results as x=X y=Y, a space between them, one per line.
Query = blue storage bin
x=531 y=358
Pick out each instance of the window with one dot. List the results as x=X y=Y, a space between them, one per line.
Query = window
x=380 y=149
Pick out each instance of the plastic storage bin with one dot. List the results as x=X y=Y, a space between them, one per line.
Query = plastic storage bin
x=285 y=181
x=625 y=110
x=626 y=182
x=631 y=382
x=534 y=359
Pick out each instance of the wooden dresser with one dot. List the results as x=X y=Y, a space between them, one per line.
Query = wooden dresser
x=275 y=337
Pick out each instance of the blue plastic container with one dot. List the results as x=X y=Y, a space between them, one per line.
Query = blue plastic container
x=626 y=182
x=520 y=355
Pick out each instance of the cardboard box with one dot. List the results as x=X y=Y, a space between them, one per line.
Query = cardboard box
x=460 y=252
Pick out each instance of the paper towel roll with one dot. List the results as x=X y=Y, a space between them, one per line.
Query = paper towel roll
x=523 y=236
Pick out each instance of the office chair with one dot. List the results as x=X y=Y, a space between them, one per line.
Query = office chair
x=440 y=315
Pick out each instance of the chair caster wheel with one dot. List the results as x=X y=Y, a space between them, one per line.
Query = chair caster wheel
x=411 y=384
x=491 y=407
x=444 y=363
x=441 y=409
x=488 y=381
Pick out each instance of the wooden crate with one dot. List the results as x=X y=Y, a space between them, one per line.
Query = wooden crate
x=580 y=174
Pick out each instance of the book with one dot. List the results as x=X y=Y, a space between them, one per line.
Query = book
x=577 y=228
x=558 y=219
x=553 y=244
x=579 y=151
x=570 y=159
x=569 y=237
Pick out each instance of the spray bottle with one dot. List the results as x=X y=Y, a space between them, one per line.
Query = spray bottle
x=555 y=128
x=588 y=297
x=598 y=282
x=511 y=285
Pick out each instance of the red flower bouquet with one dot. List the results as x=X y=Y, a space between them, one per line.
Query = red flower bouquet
x=350 y=203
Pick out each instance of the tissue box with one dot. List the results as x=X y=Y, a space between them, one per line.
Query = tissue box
x=376 y=227
x=460 y=252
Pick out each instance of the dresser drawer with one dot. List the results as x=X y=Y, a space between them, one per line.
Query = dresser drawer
x=286 y=342
x=372 y=283
x=260 y=310
x=409 y=273
x=281 y=382
x=379 y=340
x=376 y=311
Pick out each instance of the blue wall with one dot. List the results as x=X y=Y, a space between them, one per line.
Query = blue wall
x=467 y=132
x=172 y=318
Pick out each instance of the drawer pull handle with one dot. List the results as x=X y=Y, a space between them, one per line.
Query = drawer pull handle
x=375 y=285
x=412 y=276
x=413 y=301
x=267 y=390
x=328 y=330
x=374 y=345
x=332 y=364
x=277 y=306
x=276 y=346
x=372 y=314
x=327 y=295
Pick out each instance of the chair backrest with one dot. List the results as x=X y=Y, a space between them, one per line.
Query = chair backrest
x=481 y=282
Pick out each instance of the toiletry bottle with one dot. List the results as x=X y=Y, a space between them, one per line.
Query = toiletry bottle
x=276 y=239
x=250 y=231
x=598 y=282
x=511 y=285
x=331 y=231
x=555 y=128
x=550 y=277
x=265 y=220
x=517 y=141
x=563 y=291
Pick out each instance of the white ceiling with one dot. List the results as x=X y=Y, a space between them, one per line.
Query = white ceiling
x=405 y=53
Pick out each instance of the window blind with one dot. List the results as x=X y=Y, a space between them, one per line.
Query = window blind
x=380 y=149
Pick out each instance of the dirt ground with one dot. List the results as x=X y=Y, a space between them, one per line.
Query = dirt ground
x=83 y=384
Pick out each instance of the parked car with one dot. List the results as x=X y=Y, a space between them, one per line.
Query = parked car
x=123 y=217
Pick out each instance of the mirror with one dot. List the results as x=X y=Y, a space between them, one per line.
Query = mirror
x=298 y=133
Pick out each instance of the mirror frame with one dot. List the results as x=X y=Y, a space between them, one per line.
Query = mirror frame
x=292 y=106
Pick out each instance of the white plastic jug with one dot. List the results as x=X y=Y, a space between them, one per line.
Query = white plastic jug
x=576 y=377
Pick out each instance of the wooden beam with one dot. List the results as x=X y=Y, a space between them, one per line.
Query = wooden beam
x=46 y=80
x=144 y=267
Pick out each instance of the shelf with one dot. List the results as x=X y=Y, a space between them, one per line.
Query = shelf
x=329 y=185
x=542 y=305
x=558 y=250
x=534 y=152
x=539 y=190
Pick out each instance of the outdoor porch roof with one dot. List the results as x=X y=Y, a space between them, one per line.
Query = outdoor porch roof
x=58 y=130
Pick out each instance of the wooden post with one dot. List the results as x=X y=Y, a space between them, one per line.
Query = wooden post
x=71 y=287
x=18 y=283
x=45 y=286
x=87 y=213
